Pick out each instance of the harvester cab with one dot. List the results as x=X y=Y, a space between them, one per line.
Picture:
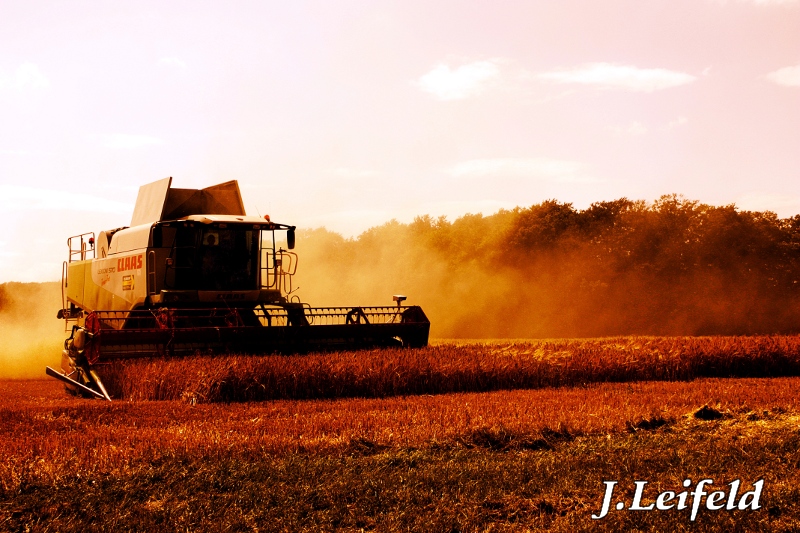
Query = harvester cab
x=193 y=274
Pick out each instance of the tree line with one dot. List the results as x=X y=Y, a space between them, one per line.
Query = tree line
x=673 y=266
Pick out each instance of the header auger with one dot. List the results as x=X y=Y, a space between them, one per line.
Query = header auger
x=193 y=274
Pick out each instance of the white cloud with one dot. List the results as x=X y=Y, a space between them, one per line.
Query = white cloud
x=758 y=2
x=128 y=141
x=19 y=198
x=531 y=168
x=171 y=62
x=680 y=121
x=631 y=78
x=634 y=128
x=787 y=76
x=764 y=2
x=26 y=77
x=463 y=82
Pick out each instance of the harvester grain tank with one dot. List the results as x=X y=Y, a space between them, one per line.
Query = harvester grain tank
x=193 y=274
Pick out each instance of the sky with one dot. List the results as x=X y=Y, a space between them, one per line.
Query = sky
x=347 y=114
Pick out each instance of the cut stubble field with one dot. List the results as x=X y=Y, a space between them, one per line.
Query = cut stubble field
x=530 y=457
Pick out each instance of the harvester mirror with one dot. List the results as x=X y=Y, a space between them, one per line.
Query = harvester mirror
x=290 y=238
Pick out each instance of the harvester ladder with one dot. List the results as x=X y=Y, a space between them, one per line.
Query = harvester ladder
x=64 y=310
x=81 y=247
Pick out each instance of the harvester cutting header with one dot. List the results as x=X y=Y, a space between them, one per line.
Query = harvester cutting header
x=193 y=274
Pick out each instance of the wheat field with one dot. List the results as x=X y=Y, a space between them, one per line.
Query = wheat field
x=459 y=436
x=452 y=367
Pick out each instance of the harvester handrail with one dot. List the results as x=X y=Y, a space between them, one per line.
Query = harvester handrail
x=276 y=274
x=81 y=251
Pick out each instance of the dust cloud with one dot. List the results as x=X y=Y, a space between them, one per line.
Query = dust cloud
x=464 y=296
x=32 y=336
x=674 y=267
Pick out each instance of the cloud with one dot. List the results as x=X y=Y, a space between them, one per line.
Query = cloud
x=460 y=83
x=762 y=2
x=634 y=128
x=531 y=168
x=608 y=75
x=26 y=77
x=680 y=121
x=786 y=76
x=19 y=198
x=128 y=141
x=171 y=62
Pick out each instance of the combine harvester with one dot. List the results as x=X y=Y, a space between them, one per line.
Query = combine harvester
x=194 y=275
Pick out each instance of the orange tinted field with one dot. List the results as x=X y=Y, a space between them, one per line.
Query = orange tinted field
x=489 y=460
x=43 y=430
x=446 y=368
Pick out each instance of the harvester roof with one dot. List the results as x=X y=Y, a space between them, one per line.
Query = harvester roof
x=159 y=201
x=229 y=219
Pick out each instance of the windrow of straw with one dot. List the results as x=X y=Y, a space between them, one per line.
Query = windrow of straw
x=452 y=368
